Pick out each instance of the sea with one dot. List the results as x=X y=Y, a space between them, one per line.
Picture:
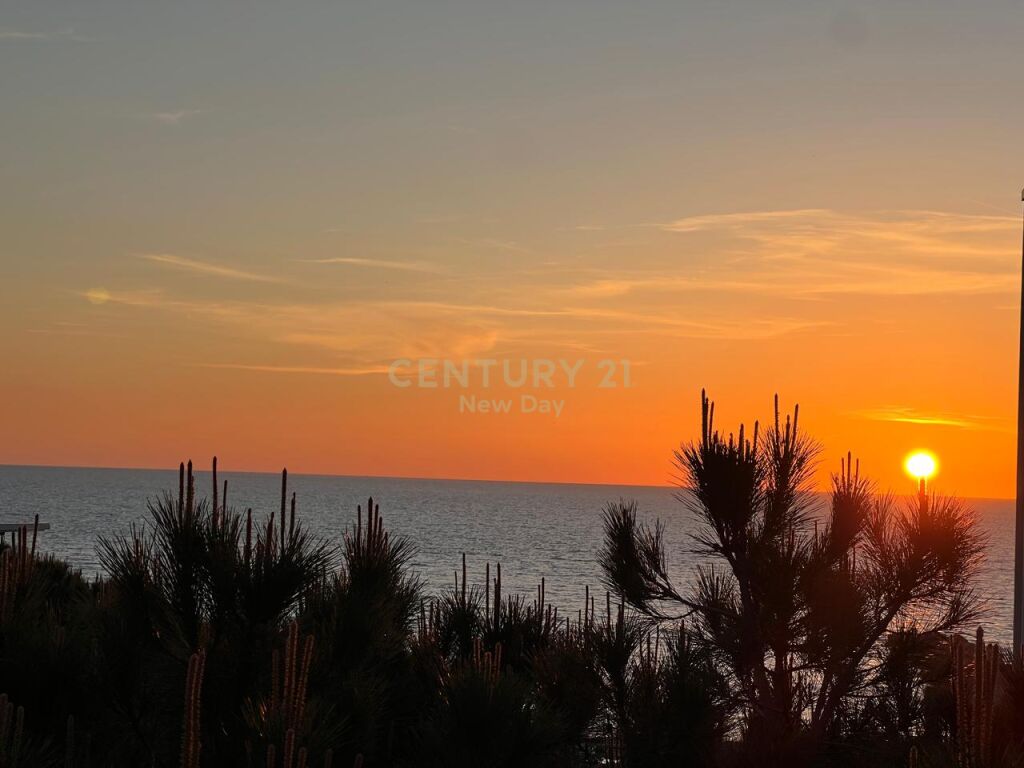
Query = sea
x=534 y=530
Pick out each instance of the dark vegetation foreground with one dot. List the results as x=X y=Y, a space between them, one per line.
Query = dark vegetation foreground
x=817 y=638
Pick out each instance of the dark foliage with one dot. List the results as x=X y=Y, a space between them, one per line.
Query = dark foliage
x=220 y=639
x=819 y=620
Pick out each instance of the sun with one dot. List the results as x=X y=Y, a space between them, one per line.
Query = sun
x=921 y=464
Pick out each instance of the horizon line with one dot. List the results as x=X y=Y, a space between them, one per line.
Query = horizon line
x=291 y=473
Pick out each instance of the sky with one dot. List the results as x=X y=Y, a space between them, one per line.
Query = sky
x=237 y=230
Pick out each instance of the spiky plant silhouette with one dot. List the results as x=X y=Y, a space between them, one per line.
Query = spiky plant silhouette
x=796 y=605
x=813 y=636
x=196 y=577
x=362 y=616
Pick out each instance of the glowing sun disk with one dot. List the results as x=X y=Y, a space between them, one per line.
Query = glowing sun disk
x=920 y=464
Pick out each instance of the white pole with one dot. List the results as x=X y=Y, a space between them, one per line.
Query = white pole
x=1018 y=562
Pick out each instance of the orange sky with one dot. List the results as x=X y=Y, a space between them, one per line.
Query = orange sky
x=205 y=251
x=849 y=315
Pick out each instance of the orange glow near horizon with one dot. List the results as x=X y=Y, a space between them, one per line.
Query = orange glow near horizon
x=209 y=252
x=265 y=368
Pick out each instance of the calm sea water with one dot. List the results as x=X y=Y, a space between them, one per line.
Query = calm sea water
x=533 y=529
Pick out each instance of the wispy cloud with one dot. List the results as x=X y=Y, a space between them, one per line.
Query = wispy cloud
x=808 y=253
x=208 y=268
x=9 y=33
x=172 y=117
x=357 y=371
x=907 y=415
x=99 y=296
x=759 y=276
x=406 y=266
x=6 y=33
x=494 y=244
x=923 y=232
x=611 y=320
x=742 y=219
x=370 y=333
x=819 y=278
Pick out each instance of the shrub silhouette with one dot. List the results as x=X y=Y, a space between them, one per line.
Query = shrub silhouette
x=217 y=637
x=797 y=610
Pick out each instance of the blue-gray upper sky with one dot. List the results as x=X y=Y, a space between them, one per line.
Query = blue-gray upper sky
x=562 y=112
